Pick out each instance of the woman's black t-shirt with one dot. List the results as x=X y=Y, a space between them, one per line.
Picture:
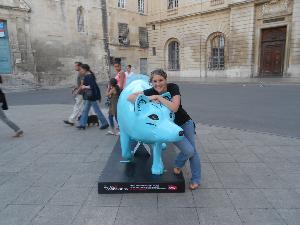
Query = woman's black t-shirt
x=181 y=115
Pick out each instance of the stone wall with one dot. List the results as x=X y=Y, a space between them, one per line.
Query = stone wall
x=57 y=43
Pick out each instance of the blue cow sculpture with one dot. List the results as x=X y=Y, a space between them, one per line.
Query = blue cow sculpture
x=145 y=121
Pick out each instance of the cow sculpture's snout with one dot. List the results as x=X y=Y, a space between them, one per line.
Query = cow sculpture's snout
x=181 y=133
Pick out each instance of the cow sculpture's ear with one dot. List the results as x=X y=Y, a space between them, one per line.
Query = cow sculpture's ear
x=140 y=102
x=167 y=96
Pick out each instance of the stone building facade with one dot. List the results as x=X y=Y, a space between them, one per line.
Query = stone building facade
x=128 y=35
x=41 y=39
x=46 y=37
x=225 y=38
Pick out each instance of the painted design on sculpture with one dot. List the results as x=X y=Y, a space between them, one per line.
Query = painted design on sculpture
x=145 y=121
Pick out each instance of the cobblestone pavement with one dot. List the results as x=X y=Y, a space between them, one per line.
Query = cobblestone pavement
x=49 y=176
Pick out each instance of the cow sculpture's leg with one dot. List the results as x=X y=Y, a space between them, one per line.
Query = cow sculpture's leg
x=125 y=146
x=157 y=165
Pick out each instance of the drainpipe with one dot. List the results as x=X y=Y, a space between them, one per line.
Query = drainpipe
x=105 y=36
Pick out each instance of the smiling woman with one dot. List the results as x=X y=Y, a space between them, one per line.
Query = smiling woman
x=187 y=146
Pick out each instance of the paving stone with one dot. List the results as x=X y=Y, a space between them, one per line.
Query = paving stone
x=283 y=198
x=166 y=200
x=18 y=214
x=96 y=216
x=262 y=176
x=141 y=200
x=35 y=195
x=70 y=196
x=260 y=217
x=94 y=199
x=232 y=176
x=217 y=157
x=291 y=216
x=218 y=216
x=82 y=180
x=177 y=216
x=246 y=157
x=212 y=198
x=136 y=215
x=52 y=180
x=209 y=178
x=56 y=215
x=248 y=198
x=5 y=176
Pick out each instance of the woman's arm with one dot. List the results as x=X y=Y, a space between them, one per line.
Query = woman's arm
x=133 y=96
x=172 y=105
x=110 y=91
x=122 y=80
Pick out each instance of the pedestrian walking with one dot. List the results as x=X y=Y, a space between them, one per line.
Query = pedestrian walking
x=91 y=94
x=4 y=118
x=78 y=106
x=187 y=146
x=113 y=93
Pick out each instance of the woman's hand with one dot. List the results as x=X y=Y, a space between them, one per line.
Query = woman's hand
x=172 y=105
x=83 y=87
x=155 y=98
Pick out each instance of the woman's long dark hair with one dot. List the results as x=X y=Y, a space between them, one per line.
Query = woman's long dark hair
x=114 y=83
x=87 y=68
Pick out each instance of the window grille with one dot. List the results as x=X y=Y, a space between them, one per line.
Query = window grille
x=141 y=6
x=143 y=37
x=216 y=58
x=80 y=19
x=123 y=33
x=216 y=2
x=172 y=4
x=173 y=56
x=121 y=4
x=154 y=51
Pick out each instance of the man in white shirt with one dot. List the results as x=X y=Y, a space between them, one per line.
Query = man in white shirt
x=128 y=71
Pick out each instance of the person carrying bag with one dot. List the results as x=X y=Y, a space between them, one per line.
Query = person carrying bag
x=91 y=94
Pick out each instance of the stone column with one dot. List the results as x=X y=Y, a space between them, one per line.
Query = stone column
x=241 y=41
x=294 y=67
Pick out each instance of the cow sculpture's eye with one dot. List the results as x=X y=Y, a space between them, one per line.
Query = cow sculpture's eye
x=153 y=117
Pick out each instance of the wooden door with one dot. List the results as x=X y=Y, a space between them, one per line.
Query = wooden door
x=272 y=51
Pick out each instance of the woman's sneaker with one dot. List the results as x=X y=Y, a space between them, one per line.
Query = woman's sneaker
x=110 y=132
x=18 y=134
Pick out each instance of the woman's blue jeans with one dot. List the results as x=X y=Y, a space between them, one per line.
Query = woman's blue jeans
x=188 y=151
x=111 y=120
x=86 y=108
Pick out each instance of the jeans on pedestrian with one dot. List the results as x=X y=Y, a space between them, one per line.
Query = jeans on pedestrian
x=111 y=120
x=189 y=152
x=8 y=122
x=86 y=108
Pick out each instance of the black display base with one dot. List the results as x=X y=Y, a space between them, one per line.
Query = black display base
x=136 y=177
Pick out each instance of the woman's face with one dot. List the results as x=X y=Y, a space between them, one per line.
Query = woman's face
x=82 y=71
x=159 y=83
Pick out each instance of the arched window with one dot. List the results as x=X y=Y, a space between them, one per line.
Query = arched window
x=80 y=19
x=216 y=53
x=173 y=56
